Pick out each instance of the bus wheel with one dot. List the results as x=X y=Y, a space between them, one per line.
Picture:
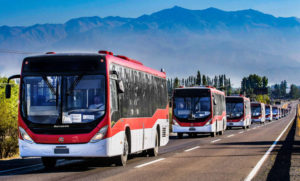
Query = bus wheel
x=49 y=162
x=154 y=151
x=122 y=159
x=244 y=127
x=180 y=135
x=213 y=134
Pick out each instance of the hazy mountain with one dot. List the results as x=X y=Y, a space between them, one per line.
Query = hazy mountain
x=180 y=40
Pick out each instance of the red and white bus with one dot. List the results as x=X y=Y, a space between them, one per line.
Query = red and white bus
x=90 y=105
x=275 y=112
x=198 y=110
x=269 y=113
x=258 y=113
x=238 y=111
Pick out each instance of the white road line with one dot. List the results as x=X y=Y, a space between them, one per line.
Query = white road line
x=262 y=160
x=230 y=135
x=145 y=164
x=14 y=169
x=215 y=140
x=241 y=132
x=192 y=148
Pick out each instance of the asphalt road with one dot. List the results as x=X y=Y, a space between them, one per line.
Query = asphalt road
x=232 y=156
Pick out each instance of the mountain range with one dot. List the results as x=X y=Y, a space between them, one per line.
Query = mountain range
x=180 y=40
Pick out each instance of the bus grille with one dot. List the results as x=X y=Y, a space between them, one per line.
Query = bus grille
x=164 y=132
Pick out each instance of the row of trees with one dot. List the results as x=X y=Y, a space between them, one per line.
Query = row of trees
x=8 y=120
x=221 y=82
x=256 y=87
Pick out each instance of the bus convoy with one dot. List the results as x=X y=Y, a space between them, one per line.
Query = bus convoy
x=106 y=105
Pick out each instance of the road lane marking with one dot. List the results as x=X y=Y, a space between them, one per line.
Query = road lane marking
x=192 y=148
x=241 y=132
x=25 y=167
x=145 y=164
x=262 y=160
x=215 y=140
x=230 y=135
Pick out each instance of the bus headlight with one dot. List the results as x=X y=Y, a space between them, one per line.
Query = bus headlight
x=175 y=123
x=100 y=135
x=25 y=136
x=208 y=122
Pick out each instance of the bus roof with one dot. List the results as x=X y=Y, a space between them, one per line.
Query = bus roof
x=243 y=97
x=109 y=58
x=134 y=64
x=207 y=88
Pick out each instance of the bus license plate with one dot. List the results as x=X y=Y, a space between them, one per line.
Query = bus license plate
x=192 y=129
x=230 y=124
x=61 y=150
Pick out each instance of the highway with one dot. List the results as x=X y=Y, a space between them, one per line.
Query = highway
x=237 y=155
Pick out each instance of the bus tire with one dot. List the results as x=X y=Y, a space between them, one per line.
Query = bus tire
x=153 y=152
x=49 y=162
x=122 y=159
x=180 y=135
x=213 y=134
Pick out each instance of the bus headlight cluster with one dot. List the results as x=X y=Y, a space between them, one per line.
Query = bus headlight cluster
x=175 y=123
x=100 y=135
x=25 y=136
x=208 y=122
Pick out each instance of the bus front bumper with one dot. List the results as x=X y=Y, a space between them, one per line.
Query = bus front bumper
x=196 y=129
x=236 y=124
x=256 y=120
x=98 y=149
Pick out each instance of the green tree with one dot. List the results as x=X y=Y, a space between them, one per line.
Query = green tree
x=204 y=81
x=8 y=120
x=294 y=92
x=198 y=79
x=176 y=83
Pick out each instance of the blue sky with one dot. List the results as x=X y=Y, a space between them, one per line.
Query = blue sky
x=29 y=12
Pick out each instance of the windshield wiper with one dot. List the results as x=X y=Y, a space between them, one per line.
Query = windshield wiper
x=49 y=85
x=74 y=84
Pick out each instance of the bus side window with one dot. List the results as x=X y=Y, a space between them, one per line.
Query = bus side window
x=113 y=96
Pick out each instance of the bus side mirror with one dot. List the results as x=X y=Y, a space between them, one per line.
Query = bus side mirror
x=215 y=101
x=7 y=91
x=120 y=85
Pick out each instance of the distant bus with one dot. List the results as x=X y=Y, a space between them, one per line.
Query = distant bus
x=275 y=112
x=198 y=110
x=258 y=113
x=269 y=113
x=238 y=111
x=280 y=112
x=90 y=105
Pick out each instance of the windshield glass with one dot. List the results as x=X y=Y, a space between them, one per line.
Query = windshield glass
x=267 y=110
x=63 y=99
x=275 y=110
x=256 y=110
x=192 y=107
x=234 y=109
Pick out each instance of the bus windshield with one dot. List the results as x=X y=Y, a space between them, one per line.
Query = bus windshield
x=275 y=110
x=267 y=110
x=63 y=99
x=256 y=110
x=192 y=107
x=234 y=109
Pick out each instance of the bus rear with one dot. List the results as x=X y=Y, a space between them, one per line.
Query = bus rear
x=198 y=110
x=238 y=112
